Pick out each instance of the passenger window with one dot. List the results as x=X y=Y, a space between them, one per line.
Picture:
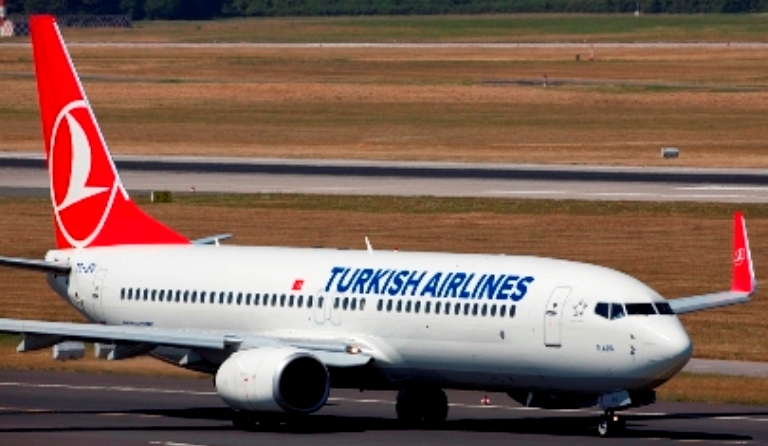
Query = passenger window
x=336 y=303
x=437 y=307
x=474 y=310
x=380 y=305
x=186 y=296
x=399 y=307
x=502 y=310
x=345 y=303
x=484 y=311
x=320 y=301
x=230 y=298
x=239 y=298
x=274 y=300
x=194 y=296
x=248 y=299
x=427 y=307
x=178 y=296
x=408 y=306
x=362 y=304
x=417 y=306
x=664 y=308
x=602 y=310
x=310 y=300
x=146 y=293
x=447 y=307
x=389 y=305
x=466 y=309
x=282 y=300
x=353 y=304
x=221 y=298
x=457 y=309
x=493 y=310
x=512 y=310
x=617 y=311
x=300 y=301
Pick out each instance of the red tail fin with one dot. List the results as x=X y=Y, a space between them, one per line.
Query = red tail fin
x=743 y=272
x=90 y=204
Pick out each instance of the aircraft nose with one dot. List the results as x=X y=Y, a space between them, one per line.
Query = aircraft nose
x=673 y=348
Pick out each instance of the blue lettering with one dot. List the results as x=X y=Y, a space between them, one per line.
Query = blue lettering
x=456 y=281
x=522 y=288
x=478 y=286
x=336 y=270
x=397 y=282
x=342 y=287
x=506 y=287
x=489 y=287
x=363 y=277
x=373 y=284
x=441 y=291
x=431 y=286
x=412 y=282
x=463 y=293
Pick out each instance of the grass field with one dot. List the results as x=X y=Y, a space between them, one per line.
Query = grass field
x=458 y=104
x=471 y=28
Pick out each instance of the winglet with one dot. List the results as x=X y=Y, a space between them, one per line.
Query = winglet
x=743 y=279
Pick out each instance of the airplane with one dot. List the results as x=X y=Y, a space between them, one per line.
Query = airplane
x=278 y=327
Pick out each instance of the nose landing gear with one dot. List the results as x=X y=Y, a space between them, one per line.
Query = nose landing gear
x=610 y=424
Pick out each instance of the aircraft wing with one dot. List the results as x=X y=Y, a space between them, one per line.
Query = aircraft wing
x=42 y=334
x=743 y=282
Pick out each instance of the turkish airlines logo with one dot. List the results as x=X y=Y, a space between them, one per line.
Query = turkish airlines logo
x=739 y=256
x=83 y=179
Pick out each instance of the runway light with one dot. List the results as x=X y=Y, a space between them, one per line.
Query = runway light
x=485 y=400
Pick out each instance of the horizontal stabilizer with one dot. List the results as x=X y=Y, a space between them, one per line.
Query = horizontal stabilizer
x=214 y=239
x=36 y=265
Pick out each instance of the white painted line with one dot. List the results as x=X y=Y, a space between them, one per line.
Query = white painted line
x=731 y=418
x=172 y=443
x=525 y=192
x=108 y=388
x=729 y=188
x=621 y=194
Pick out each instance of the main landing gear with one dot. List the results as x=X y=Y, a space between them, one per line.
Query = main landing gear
x=416 y=405
x=610 y=424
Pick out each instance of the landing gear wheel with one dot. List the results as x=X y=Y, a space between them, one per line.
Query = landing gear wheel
x=421 y=405
x=610 y=425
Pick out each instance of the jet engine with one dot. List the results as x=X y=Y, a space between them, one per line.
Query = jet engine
x=273 y=379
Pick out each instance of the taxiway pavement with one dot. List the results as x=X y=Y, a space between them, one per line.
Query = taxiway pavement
x=25 y=174
x=44 y=408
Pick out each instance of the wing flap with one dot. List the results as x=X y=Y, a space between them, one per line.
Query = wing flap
x=331 y=353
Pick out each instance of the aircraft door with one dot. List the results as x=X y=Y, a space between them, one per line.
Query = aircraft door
x=553 y=316
x=94 y=302
x=319 y=308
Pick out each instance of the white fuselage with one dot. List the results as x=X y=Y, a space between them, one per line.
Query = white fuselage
x=462 y=321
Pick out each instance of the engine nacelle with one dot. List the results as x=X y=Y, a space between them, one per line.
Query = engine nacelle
x=273 y=379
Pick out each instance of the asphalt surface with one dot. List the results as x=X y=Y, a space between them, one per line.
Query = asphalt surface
x=25 y=174
x=44 y=408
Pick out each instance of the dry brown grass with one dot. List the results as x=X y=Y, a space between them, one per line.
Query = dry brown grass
x=715 y=388
x=415 y=104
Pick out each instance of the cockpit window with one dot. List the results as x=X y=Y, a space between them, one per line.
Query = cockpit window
x=643 y=309
x=664 y=308
x=603 y=310
x=617 y=311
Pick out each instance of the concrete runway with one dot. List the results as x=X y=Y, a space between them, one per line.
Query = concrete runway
x=77 y=409
x=24 y=174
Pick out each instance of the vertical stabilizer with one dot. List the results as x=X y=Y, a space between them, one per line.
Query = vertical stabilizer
x=90 y=204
